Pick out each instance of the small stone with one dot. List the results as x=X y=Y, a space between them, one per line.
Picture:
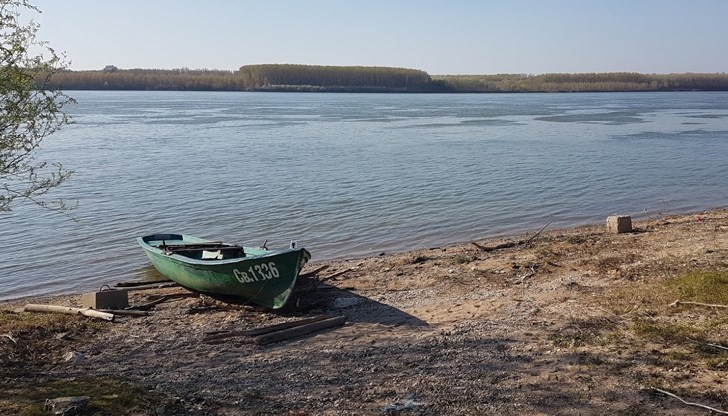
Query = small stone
x=73 y=405
x=74 y=357
x=346 y=302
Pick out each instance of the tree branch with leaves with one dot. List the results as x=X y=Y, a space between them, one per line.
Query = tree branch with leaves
x=30 y=111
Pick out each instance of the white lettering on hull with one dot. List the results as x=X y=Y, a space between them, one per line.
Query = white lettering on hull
x=257 y=273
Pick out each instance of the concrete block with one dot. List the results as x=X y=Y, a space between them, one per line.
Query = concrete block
x=619 y=224
x=106 y=299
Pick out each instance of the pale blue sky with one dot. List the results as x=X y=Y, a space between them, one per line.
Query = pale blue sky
x=440 y=37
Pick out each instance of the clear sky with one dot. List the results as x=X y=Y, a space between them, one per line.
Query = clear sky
x=440 y=37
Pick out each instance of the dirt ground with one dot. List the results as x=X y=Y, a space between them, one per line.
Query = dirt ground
x=568 y=322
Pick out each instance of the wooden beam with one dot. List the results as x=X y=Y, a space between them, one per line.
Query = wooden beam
x=128 y=312
x=300 y=330
x=314 y=272
x=218 y=335
x=154 y=286
x=141 y=283
x=498 y=247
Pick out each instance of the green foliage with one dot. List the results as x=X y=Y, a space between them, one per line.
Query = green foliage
x=29 y=110
x=711 y=287
x=704 y=287
x=664 y=331
x=32 y=337
x=17 y=322
x=30 y=342
x=108 y=397
x=46 y=323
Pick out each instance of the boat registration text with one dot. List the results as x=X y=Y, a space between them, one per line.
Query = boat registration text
x=257 y=273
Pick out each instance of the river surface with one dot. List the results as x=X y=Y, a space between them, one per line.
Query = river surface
x=354 y=174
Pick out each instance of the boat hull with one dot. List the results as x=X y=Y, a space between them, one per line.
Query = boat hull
x=263 y=277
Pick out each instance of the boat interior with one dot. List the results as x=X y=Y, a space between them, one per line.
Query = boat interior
x=204 y=251
x=220 y=253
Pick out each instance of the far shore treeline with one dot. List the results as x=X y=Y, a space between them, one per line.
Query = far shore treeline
x=313 y=78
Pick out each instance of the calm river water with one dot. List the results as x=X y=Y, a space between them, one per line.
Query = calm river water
x=354 y=174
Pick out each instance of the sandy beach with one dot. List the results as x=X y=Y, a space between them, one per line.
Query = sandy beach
x=573 y=321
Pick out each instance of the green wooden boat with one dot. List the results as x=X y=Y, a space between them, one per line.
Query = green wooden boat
x=261 y=276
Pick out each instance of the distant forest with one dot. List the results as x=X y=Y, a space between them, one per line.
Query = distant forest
x=313 y=78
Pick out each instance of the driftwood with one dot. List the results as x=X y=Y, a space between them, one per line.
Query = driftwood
x=712 y=409
x=720 y=347
x=154 y=286
x=135 y=284
x=314 y=272
x=707 y=305
x=537 y=234
x=510 y=243
x=218 y=335
x=128 y=312
x=173 y=296
x=498 y=247
x=163 y=298
x=317 y=282
x=146 y=306
x=337 y=274
x=300 y=330
x=201 y=309
x=31 y=307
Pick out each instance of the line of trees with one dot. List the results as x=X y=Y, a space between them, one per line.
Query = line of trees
x=588 y=82
x=314 y=77
x=276 y=77
x=113 y=78
x=251 y=78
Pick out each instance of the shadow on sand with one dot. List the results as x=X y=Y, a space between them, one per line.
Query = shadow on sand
x=311 y=297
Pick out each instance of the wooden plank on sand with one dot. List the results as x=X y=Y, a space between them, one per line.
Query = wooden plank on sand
x=32 y=307
x=300 y=330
